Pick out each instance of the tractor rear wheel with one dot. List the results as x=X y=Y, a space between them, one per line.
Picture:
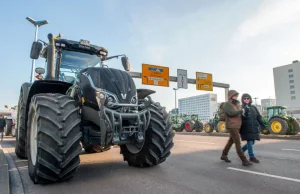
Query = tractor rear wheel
x=208 y=128
x=278 y=126
x=53 y=138
x=221 y=127
x=198 y=126
x=158 y=140
x=20 y=148
x=8 y=127
x=189 y=125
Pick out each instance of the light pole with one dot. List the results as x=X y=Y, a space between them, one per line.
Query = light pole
x=175 y=89
x=37 y=24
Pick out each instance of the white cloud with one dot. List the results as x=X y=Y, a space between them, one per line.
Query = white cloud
x=270 y=15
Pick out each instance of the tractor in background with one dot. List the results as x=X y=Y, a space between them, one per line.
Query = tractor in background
x=280 y=123
x=192 y=122
x=215 y=124
x=177 y=122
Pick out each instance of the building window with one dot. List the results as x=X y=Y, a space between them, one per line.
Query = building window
x=291 y=76
x=290 y=70
x=293 y=97
x=291 y=81
x=292 y=92
x=292 y=87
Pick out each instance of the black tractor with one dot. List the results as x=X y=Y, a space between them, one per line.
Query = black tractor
x=82 y=103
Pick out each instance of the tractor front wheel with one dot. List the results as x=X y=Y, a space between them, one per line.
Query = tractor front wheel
x=198 y=126
x=158 y=140
x=208 y=128
x=221 y=127
x=278 y=126
x=53 y=138
x=295 y=127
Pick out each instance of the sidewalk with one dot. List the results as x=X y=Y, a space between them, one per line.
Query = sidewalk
x=4 y=174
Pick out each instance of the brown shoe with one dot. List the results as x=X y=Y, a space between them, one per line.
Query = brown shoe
x=254 y=160
x=223 y=157
x=246 y=163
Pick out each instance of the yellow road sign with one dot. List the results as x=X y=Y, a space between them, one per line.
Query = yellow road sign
x=155 y=75
x=204 y=81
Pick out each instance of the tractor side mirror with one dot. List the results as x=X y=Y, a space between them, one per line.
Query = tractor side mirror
x=36 y=50
x=125 y=63
x=39 y=70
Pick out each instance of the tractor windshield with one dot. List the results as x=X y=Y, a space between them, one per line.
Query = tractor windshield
x=283 y=112
x=72 y=62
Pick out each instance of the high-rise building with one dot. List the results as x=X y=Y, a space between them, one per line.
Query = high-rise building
x=203 y=105
x=287 y=86
x=174 y=111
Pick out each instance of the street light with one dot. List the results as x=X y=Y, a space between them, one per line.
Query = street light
x=175 y=98
x=37 y=24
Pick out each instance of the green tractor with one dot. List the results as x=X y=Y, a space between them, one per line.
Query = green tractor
x=192 y=122
x=280 y=123
x=177 y=122
x=215 y=124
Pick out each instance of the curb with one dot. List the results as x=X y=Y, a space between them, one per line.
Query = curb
x=4 y=174
x=262 y=136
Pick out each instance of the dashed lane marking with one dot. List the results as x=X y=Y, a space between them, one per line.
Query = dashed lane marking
x=291 y=150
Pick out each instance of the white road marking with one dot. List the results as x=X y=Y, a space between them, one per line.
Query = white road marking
x=291 y=150
x=265 y=174
x=196 y=142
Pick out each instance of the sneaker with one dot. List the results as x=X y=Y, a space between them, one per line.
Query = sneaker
x=254 y=160
x=246 y=163
x=223 y=157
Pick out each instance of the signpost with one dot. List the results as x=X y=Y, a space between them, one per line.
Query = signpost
x=204 y=81
x=155 y=75
x=182 y=80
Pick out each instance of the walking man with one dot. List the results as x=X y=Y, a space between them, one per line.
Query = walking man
x=233 y=120
x=2 y=125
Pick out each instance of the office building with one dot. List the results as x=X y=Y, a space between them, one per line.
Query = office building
x=203 y=105
x=287 y=86
x=265 y=103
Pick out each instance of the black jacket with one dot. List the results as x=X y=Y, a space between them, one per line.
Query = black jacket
x=251 y=122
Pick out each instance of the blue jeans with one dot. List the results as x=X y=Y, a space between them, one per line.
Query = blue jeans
x=249 y=146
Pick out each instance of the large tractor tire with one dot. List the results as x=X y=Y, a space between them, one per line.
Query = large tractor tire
x=295 y=127
x=180 y=129
x=158 y=140
x=198 y=126
x=8 y=128
x=278 y=126
x=189 y=125
x=20 y=148
x=221 y=127
x=208 y=128
x=53 y=138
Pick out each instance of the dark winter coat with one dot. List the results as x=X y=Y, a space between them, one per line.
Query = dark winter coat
x=251 y=122
x=2 y=124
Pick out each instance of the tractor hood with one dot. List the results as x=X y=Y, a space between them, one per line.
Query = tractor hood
x=115 y=81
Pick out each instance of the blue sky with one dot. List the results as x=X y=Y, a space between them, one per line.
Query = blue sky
x=239 y=42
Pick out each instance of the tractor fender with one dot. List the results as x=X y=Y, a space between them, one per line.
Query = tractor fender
x=42 y=86
x=284 y=118
x=143 y=93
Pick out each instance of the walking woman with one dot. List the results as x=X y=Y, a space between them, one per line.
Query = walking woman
x=250 y=129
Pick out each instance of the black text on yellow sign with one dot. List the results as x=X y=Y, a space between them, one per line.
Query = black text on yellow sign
x=155 y=75
x=204 y=81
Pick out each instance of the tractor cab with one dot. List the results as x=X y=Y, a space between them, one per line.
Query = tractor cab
x=276 y=111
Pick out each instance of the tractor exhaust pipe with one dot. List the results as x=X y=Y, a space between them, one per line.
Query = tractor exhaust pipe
x=50 y=58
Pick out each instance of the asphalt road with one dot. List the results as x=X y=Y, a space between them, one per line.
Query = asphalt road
x=193 y=167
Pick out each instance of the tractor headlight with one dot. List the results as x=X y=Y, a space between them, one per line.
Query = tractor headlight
x=106 y=98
